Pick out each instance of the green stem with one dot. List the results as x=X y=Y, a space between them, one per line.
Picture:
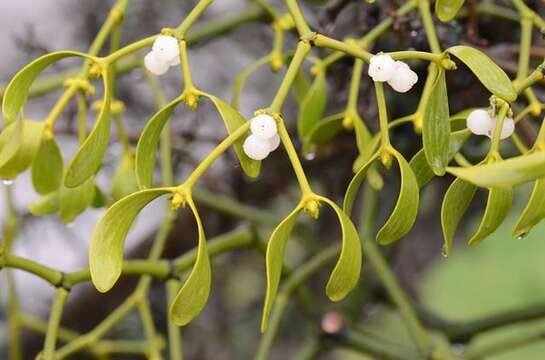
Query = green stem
x=122 y=134
x=300 y=23
x=352 y=104
x=149 y=328
x=431 y=34
x=193 y=16
x=382 y=114
x=186 y=70
x=54 y=322
x=82 y=116
x=524 y=49
x=15 y=343
x=495 y=145
x=174 y=338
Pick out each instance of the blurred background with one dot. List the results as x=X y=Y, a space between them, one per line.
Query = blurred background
x=499 y=275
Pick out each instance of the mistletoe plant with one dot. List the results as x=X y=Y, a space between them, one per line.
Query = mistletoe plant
x=69 y=189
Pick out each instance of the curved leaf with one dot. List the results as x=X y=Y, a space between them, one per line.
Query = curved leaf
x=233 y=120
x=106 y=246
x=124 y=181
x=534 y=211
x=419 y=163
x=346 y=272
x=146 y=149
x=446 y=10
x=48 y=166
x=497 y=207
x=404 y=215
x=88 y=158
x=17 y=90
x=46 y=205
x=193 y=295
x=355 y=183
x=366 y=153
x=455 y=204
x=74 y=201
x=486 y=70
x=313 y=105
x=301 y=85
x=436 y=126
x=505 y=173
x=27 y=134
x=274 y=260
x=326 y=129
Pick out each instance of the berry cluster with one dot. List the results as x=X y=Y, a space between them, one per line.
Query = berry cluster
x=400 y=77
x=164 y=53
x=480 y=122
x=263 y=138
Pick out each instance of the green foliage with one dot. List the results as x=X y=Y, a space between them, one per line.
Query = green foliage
x=19 y=143
x=73 y=201
x=534 y=211
x=312 y=105
x=124 y=181
x=497 y=207
x=446 y=10
x=48 y=166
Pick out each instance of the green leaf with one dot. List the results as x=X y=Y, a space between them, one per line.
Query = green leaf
x=446 y=10
x=355 y=183
x=366 y=153
x=46 y=205
x=363 y=135
x=124 y=181
x=313 y=105
x=505 y=173
x=106 y=247
x=326 y=129
x=27 y=134
x=346 y=273
x=403 y=217
x=455 y=204
x=74 y=201
x=48 y=166
x=274 y=260
x=17 y=90
x=100 y=199
x=301 y=86
x=193 y=295
x=488 y=73
x=146 y=149
x=233 y=120
x=88 y=158
x=419 y=163
x=534 y=211
x=497 y=207
x=436 y=126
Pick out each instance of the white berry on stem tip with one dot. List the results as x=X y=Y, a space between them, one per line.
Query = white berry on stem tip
x=263 y=126
x=404 y=78
x=165 y=48
x=256 y=148
x=479 y=122
x=381 y=68
x=155 y=66
x=274 y=142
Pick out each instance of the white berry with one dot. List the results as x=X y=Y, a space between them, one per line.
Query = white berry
x=263 y=126
x=165 y=48
x=381 y=68
x=404 y=78
x=480 y=122
x=507 y=129
x=256 y=148
x=155 y=66
x=274 y=142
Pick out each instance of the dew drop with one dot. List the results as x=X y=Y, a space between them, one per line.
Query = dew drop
x=7 y=182
x=310 y=156
x=522 y=236
x=444 y=252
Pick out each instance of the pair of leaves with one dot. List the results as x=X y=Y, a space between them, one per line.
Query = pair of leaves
x=89 y=156
x=312 y=106
x=19 y=142
x=436 y=125
x=488 y=73
x=48 y=166
x=405 y=211
x=446 y=10
x=149 y=140
x=456 y=202
x=345 y=274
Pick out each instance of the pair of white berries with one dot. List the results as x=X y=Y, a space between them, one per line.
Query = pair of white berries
x=480 y=122
x=263 y=138
x=164 y=53
x=400 y=77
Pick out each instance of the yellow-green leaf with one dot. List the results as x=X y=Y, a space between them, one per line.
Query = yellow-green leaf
x=301 y=85
x=534 y=211
x=274 y=260
x=497 y=207
x=108 y=239
x=486 y=70
x=146 y=149
x=326 y=129
x=46 y=205
x=17 y=90
x=313 y=105
x=124 y=180
x=74 y=201
x=366 y=153
x=27 y=134
x=404 y=214
x=436 y=126
x=355 y=183
x=446 y=10
x=455 y=204
x=346 y=272
x=88 y=158
x=193 y=295
x=48 y=166
x=241 y=78
x=233 y=120
x=505 y=173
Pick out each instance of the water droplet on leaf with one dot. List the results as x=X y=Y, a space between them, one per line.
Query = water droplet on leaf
x=7 y=182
